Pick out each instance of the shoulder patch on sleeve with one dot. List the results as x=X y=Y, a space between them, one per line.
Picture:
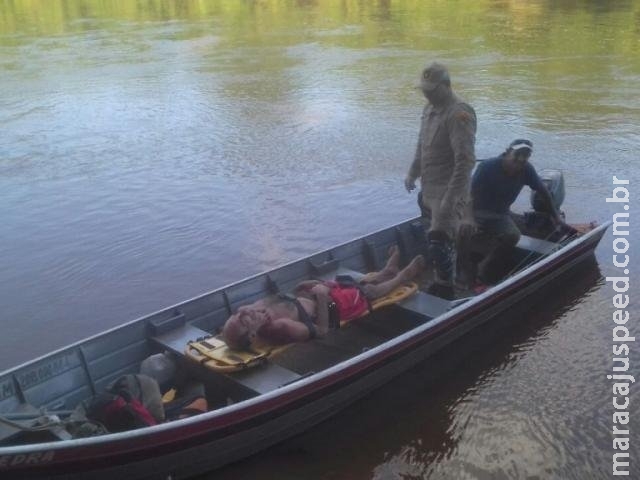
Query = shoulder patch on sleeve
x=463 y=116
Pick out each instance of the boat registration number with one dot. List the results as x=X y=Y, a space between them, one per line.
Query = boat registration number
x=34 y=458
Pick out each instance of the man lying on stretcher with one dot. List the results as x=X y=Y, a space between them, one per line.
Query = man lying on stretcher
x=315 y=306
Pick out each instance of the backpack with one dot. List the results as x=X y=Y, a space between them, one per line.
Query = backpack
x=122 y=406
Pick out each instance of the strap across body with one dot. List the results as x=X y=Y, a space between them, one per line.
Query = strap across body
x=303 y=316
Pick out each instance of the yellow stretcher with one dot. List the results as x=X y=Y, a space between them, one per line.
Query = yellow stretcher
x=213 y=352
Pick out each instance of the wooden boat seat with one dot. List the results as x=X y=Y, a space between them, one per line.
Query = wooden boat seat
x=213 y=353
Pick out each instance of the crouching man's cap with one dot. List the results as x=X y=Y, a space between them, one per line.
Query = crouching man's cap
x=521 y=145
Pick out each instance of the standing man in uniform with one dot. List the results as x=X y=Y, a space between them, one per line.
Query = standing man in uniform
x=444 y=159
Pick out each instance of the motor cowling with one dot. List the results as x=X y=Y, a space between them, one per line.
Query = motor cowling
x=554 y=181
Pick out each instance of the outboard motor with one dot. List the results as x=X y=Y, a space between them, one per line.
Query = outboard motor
x=554 y=181
x=540 y=218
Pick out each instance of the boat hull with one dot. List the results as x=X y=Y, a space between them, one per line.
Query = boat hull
x=199 y=444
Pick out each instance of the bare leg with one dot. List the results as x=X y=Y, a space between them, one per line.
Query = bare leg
x=373 y=291
x=389 y=271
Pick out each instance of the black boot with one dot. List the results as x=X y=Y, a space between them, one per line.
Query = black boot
x=440 y=255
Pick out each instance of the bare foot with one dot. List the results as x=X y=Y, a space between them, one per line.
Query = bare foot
x=390 y=270
x=393 y=263
x=415 y=267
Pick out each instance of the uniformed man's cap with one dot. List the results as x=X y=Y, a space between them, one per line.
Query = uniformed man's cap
x=434 y=75
x=521 y=144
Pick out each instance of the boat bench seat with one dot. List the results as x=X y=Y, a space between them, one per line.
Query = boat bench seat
x=426 y=304
x=537 y=245
x=264 y=378
x=261 y=379
x=176 y=340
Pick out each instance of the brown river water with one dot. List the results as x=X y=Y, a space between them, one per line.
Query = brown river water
x=152 y=151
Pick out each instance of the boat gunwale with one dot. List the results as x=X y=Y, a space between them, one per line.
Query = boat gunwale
x=123 y=443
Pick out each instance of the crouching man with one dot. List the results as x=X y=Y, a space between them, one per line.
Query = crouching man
x=495 y=185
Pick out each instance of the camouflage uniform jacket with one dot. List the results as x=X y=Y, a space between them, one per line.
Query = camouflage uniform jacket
x=445 y=153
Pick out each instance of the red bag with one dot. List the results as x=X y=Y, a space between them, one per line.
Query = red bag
x=118 y=409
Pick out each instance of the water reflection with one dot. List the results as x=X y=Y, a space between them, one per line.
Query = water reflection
x=483 y=405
